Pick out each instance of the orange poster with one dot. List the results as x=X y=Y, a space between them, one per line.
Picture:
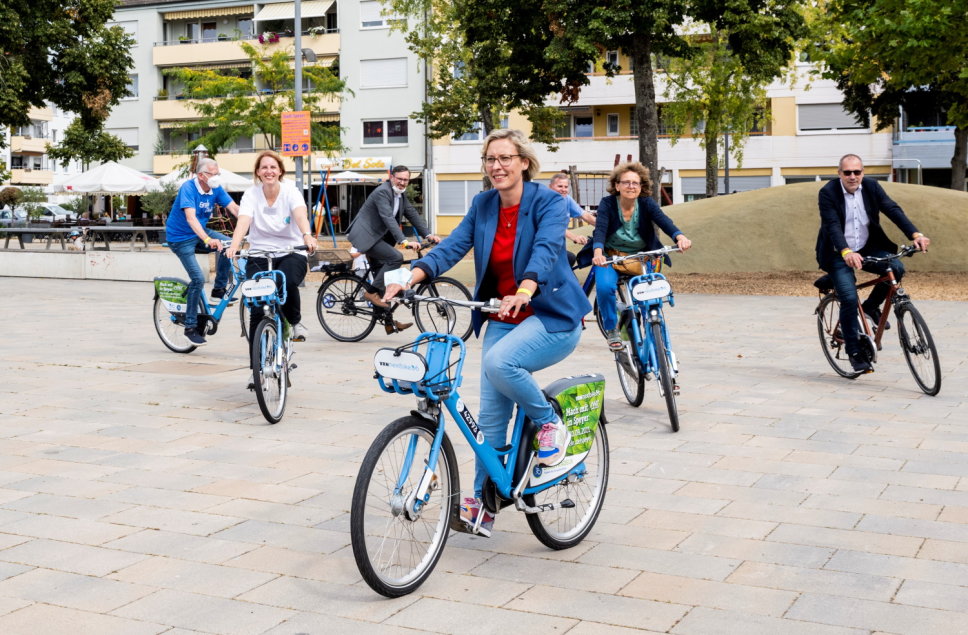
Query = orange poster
x=296 y=138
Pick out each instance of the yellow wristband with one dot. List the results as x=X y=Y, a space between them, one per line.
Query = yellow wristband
x=207 y=240
x=523 y=290
x=845 y=251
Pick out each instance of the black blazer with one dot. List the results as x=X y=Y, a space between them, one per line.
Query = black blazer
x=833 y=216
x=609 y=220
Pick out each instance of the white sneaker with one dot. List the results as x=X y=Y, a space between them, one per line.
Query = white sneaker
x=299 y=333
x=553 y=439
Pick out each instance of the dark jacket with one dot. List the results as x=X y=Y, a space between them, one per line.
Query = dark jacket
x=610 y=221
x=833 y=216
x=376 y=219
x=539 y=254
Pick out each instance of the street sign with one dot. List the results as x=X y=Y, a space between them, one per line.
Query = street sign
x=296 y=137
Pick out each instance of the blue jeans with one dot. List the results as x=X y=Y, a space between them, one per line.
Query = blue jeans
x=511 y=352
x=185 y=250
x=606 y=282
x=844 y=281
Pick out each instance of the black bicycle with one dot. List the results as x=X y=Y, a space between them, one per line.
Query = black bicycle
x=346 y=315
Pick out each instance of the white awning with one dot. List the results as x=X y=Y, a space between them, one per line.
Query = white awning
x=287 y=10
x=208 y=13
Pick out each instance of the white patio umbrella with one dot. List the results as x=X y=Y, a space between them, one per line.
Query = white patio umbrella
x=110 y=178
x=348 y=176
x=231 y=181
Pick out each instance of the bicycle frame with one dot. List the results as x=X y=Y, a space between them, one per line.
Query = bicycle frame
x=894 y=290
x=649 y=311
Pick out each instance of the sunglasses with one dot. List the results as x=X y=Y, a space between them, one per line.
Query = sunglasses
x=852 y=172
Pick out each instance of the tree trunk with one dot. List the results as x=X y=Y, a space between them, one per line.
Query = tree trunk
x=487 y=125
x=646 y=112
x=959 y=159
x=712 y=161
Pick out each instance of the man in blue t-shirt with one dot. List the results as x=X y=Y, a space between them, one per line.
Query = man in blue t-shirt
x=186 y=229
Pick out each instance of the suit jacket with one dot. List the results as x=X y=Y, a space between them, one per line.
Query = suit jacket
x=833 y=217
x=539 y=254
x=376 y=219
x=610 y=220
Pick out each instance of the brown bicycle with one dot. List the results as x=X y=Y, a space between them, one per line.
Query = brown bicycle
x=912 y=331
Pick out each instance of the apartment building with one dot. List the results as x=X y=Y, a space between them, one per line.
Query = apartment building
x=26 y=152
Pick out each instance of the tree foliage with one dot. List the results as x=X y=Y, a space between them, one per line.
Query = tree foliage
x=886 y=54
x=88 y=145
x=30 y=200
x=230 y=106
x=159 y=202
x=61 y=52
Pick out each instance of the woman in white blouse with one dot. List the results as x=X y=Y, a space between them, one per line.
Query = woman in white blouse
x=273 y=214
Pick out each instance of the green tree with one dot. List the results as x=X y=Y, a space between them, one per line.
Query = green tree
x=30 y=200
x=888 y=53
x=10 y=196
x=61 y=52
x=230 y=106
x=88 y=143
x=159 y=202
x=712 y=87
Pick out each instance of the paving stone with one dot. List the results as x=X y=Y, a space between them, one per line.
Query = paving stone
x=846 y=539
x=800 y=579
x=788 y=514
x=337 y=567
x=755 y=550
x=285 y=536
x=914 y=527
x=851 y=612
x=69 y=557
x=68 y=506
x=880 y=507
x=727 y=595
x=77 y=530
x=599 y=607
x=568 y=575
x=182 y=546
x=931 y=595
x=356 y=602
x=204 y=612
x=736 y=527
x=258 y=491
x=43 y=619
x=703 y=620
x=82 y=592
x=193 y=577
x=660 y=561
x=907 y=568
x=944 y=550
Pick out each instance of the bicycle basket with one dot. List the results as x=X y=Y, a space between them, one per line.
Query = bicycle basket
x=424 y=367
x=330 y=260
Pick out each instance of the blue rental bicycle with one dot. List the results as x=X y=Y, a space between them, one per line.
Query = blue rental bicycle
x=271 y=349
x=647 y=349
x=171 y=299
x=407 y=491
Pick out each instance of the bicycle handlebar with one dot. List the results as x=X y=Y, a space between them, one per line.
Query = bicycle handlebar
x=905 y=251
x=643 y=255
x=256 y=253
x=491 y=306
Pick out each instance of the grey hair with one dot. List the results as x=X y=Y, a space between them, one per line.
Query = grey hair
x=521 y=143
x=561 y=176
x=204 y=163
x=840 y=164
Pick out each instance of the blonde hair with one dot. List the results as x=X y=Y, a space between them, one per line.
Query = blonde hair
x=630 y=166
x=275 y=157
x=523 y=146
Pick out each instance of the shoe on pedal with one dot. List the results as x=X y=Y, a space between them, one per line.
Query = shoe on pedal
x=375 y=299
x=193 y=336
x=218 y=294
x=553 y=439
x=874 y=315
x=299 y=332
x=860 y=365
x=614 y=339
x=396 y=327
x=474 y=519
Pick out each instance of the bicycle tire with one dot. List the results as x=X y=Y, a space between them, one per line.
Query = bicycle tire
x=919 y=349
x=393 y=552
x=343 y=312
x=171 y=333
x=630 y=375
x=245 y=314
x=565 y=527
x=443 y=318
x=831 y=340
x=663 y=371
x=271 y=383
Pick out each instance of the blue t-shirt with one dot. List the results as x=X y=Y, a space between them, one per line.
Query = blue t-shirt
x=574 y=209
x=177 y=228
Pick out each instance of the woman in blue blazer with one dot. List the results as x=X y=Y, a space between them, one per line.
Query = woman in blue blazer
x=625 y=225
x=517 y=232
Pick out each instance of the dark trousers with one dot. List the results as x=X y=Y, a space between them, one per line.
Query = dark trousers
x=844 y=282
x=295 y=267
x=383 y=257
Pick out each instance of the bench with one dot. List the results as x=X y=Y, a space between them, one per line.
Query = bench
x=50 y=232
x=92 y=234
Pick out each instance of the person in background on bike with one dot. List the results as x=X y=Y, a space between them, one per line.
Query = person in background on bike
x=850 y=229
x=186 y=229
x=376 y=231
x=625 y=226
x=273 y=213
x=560 y=183
x=515 y=230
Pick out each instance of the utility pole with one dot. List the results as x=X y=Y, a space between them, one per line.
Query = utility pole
x=298 y=99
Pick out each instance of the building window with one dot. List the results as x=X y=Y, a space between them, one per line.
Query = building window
x=583 y=126
x=371 y=16
x=611 y=58
x=128 y=136
x=385 y=132
x=130 y=27
x=454 y=197
x=633 y=123
x=245 y=27
x=386 y=73
x=611 y=126
x=132 y=86
x=815 y=117
x=476 y=134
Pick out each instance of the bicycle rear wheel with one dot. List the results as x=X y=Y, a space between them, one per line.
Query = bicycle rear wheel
x=270 y=370
x=439 y=317
x=342 y=310
x=395 y=548
x=565 y=527
x=663 y=371
x=831 y=339
x=919 y=349
x=170 y=329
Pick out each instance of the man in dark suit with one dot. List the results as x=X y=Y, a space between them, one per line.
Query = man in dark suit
x=376 y=229
x=850 y=229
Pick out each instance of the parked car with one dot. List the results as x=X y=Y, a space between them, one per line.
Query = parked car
x=11 y=217
x=51 y=212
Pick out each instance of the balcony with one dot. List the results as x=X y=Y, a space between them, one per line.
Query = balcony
x=191 y=53
x=924 y=146
x=28 y=145
x=181 y=110
x=29 y=176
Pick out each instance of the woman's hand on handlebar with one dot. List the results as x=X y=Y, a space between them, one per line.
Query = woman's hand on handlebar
x=230 y=251
x=393 y=289
x=433 y=238
x=599 y=258
x=310 y=241
x=682 y=242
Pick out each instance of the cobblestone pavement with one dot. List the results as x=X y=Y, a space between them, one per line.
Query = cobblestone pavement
x=142 y=492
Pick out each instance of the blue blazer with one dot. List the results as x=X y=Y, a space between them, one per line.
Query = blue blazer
x=610 y=220
x=539 y=254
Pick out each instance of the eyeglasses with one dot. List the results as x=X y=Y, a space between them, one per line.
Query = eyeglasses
x=852 y=172
x=504 y=160
x=635 y=184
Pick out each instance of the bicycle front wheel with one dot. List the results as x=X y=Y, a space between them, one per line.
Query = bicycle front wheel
x=919 y=349
x=667 y=383
x=396 y=547
x=566 y=526
x=443 y=318
x=270 y=370
x=630 y=374
x=342 y=310
x=831 y=338
x=170 y=330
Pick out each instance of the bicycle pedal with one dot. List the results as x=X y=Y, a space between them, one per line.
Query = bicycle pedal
x=293 y=367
